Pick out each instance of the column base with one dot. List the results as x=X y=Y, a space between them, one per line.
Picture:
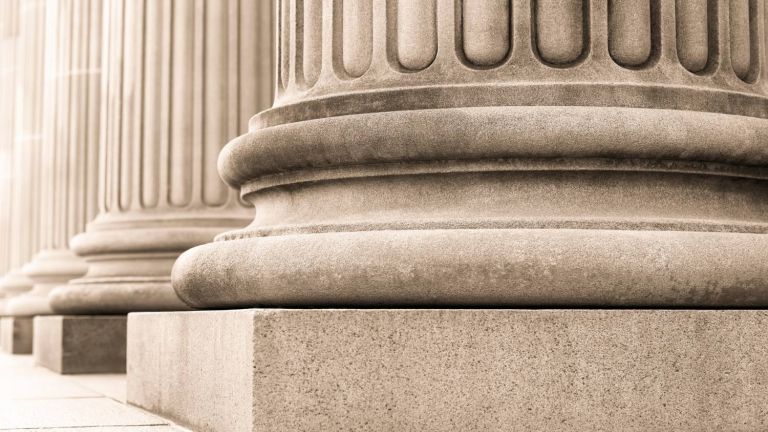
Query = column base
x=452 y=369
x=16 y=334
x=80 y=344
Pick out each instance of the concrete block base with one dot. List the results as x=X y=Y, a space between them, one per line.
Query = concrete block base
x=16 y=334
x=81 y=344
x=439 y=370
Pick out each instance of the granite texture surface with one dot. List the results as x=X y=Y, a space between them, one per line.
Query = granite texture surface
x=452 y=369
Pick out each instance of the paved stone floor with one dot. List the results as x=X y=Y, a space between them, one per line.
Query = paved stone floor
x=36 y=399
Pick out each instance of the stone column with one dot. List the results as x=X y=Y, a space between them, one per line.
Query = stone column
x=72 y=131
x=180 y=79
x=441 y=153
x=62 y=186
x=8 y=38
x=26 y=200
x=538 y=148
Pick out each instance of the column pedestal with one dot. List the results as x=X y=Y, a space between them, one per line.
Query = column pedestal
x=49 y=269
x=16 y=334
x=451 y=369
x=80 y=344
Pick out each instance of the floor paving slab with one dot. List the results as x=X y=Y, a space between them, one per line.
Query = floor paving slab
x=35 y=399
x=109 y=385
x=74 y=412
x=21 y=380
x=104 y=429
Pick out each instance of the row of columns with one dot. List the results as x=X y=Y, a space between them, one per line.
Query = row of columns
x=111 y=122
x=435 y=158
x=120 y=112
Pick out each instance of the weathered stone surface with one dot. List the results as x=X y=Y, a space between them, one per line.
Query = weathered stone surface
x=216 y=350
x=542 y=153
x=407 y=369
x=80 y=344
x=16 y=334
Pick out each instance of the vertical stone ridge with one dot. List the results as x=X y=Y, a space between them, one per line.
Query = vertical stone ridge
x=630 y=31
x=485 y=31
x=59 y=146
x=49 y=177
x=154 y=103
x=312 y=43
x=216 y=99
x=742 y=19
x=284 y=10
x=693 y=33
x=254 y=94
x=112 y=115
x=9 y=22
x=11 y=157
x=561 y=29
x=182 y=109
x=78 y=82
x=356 y=36
x=416 y=34
x=75 y=140
x=27 y=132
x=92 y=123
x=136 y=126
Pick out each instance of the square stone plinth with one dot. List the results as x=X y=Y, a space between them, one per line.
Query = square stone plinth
x=81 y=344
x=446 y=370
x=16 y=334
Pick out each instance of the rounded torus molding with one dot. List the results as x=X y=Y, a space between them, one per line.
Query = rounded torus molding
x=49 y=269
x=130 y=257
x=13 y=284
x=582 y=153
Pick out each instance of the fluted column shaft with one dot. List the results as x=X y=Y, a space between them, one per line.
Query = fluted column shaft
x=494 y=153
x=70 y=145
x=178 y=82
x=27 y=148
x=8 y=68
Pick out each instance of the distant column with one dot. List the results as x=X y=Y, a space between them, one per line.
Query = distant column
x=8 y=176
x=180 y=79
x=26 y=210
x=69 y=145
